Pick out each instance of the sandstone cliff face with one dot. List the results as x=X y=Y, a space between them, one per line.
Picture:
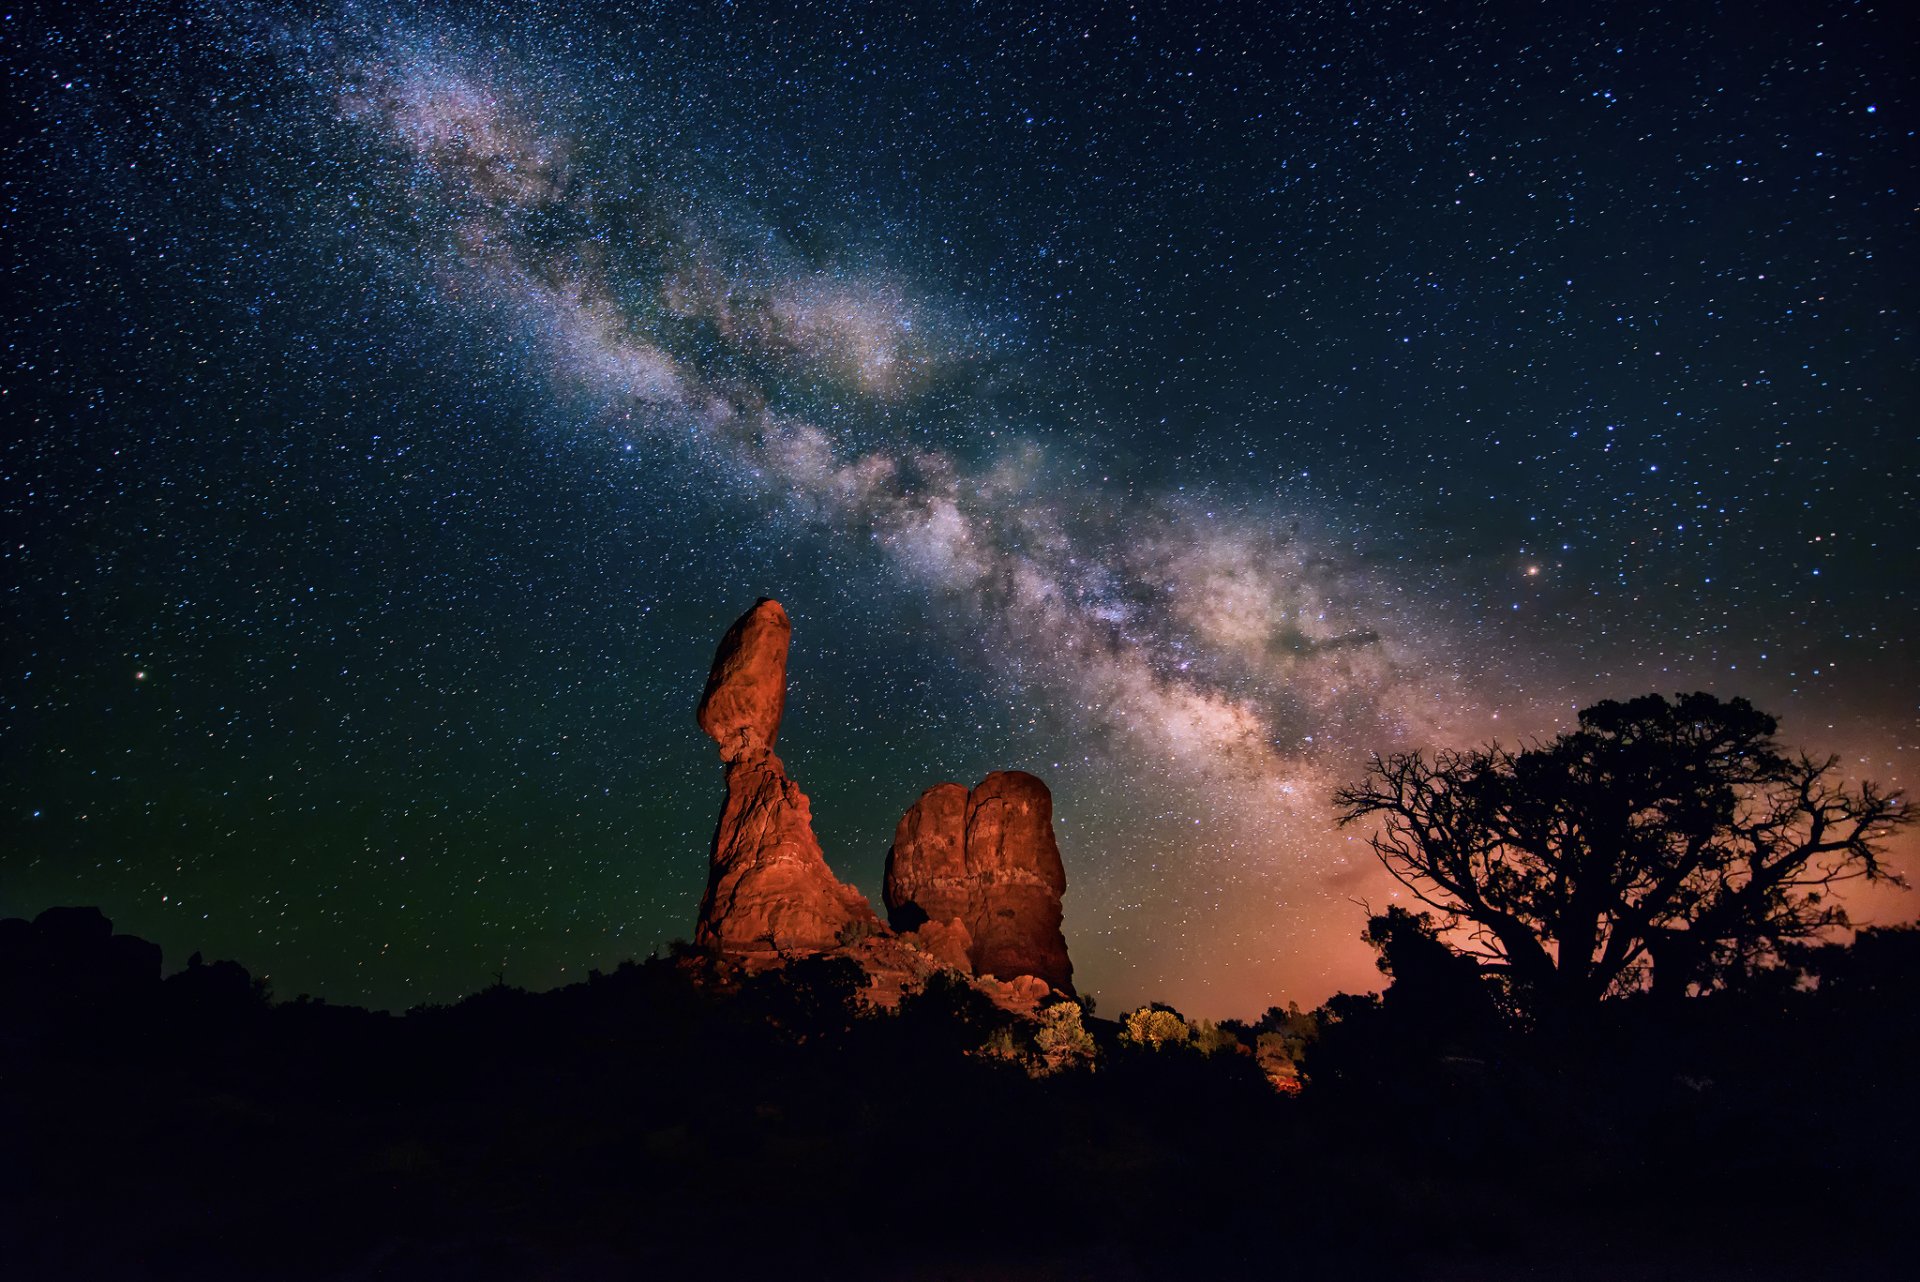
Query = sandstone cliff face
x=986 y=862
x=769 y=889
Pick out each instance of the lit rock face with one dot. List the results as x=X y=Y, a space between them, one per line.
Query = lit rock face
x=746 y=690
x=769 y=889
x=948 y=942
x=984 y=861
x=973 y=880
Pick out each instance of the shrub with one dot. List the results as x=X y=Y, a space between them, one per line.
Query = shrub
x=1211 y=1039
x=1156 y=1027
x=1063 y=1041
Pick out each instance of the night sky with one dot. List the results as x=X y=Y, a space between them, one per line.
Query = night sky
x=1178 y=405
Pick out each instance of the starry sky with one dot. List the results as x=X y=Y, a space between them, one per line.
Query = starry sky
x=1178 y=402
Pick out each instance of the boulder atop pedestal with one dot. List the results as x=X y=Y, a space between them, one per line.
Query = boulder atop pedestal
x=746 y=692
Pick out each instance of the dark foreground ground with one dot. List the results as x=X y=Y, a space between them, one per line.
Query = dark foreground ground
x=648 y=1124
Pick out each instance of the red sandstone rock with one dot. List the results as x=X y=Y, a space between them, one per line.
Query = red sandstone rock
x=973 y=882
x=746 y=690
x=949 y=943
x=927 y=877
x=988 y=859
x=769 y=889
x=894 y=966
x=1022 y=994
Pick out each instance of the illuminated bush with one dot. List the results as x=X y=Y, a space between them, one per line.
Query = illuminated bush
x=1156 y=1027
x=1000 y=1045
x=1211 y=1039
x=1063 y=1041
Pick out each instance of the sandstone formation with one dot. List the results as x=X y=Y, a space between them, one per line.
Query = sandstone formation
x=986 y=862
x=746 y=692
x=973 y=880
x=948 y=942
x=769 y=889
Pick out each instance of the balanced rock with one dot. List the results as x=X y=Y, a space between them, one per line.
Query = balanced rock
x=746 y=692
x=986 y=861
x=769 y=889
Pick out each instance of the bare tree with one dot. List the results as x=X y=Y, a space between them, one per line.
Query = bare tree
x=1660 y=845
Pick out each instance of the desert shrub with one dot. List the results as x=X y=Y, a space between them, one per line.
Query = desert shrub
x=1156 y=1027
x=1063 y=1041
x=1210 y=1038
x=1000 y=1045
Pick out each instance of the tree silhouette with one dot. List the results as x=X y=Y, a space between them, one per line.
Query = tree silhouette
x=1659 y=845
x=1442 y=993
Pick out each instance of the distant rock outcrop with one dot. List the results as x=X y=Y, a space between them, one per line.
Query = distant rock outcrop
x=69 y=958
x=769 y=889
x=984 y=866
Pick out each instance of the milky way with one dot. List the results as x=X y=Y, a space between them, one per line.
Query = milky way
x=502 y=360
x=1147 y=614
x=1207 y=651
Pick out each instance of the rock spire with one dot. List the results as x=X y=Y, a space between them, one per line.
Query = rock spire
x=769 y=889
